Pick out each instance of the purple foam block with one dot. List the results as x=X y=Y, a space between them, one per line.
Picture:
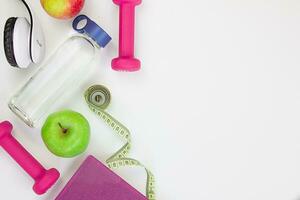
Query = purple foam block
x=94 y=181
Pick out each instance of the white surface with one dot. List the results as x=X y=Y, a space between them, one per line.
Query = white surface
x=214 y=113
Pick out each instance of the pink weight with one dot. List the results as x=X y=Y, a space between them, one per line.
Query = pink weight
x=126 y=60
x=44 y=179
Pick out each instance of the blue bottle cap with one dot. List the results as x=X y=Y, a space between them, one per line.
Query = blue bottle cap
x=91 y=29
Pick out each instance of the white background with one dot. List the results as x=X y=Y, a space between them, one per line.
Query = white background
x=214 y=112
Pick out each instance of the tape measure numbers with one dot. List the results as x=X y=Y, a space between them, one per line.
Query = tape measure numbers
x=98 y=99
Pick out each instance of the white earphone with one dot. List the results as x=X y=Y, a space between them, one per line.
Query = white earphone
x=23 y=40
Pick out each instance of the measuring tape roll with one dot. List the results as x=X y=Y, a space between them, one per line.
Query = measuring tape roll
x=98 y=99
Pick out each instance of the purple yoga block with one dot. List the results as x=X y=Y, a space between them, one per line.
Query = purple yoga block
x=94 y=181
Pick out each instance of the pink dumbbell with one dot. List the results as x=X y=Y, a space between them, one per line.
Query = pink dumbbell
x=126 y=60
x=43 y=178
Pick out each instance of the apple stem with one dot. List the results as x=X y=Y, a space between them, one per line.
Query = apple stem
x=64 y=130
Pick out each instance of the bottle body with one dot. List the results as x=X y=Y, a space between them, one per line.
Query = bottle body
x=61 y=73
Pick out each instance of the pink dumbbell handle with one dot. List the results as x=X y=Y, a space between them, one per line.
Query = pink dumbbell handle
x=22 y=157
x=126 y=33
x=126 y=60
x=44 y=179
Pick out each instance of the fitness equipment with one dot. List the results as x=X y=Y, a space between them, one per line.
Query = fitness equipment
x=98 y=99
x=23 y=40
x=65 y=69
x=94 y=181
x=126 y=60
x=44 y=179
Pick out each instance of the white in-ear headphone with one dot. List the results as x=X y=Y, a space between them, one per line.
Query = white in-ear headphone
x=23 y=40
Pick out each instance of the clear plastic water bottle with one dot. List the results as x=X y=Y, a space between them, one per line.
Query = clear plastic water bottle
x=62 y=72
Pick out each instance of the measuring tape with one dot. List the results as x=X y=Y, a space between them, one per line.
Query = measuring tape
x=98 y=99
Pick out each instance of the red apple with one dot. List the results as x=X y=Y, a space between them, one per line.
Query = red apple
x=62 y=9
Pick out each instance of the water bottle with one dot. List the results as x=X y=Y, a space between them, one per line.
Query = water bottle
x=62 y=72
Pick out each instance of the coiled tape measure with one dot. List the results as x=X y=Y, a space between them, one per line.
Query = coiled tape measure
x=98 y=99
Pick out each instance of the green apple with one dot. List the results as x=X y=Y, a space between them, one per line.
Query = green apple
x=66 y=133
